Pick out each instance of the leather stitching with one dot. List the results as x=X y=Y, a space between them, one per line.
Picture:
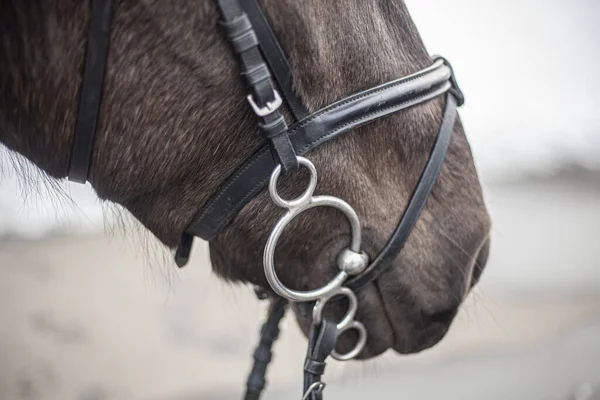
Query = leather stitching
x=427 y=96
x=211 y=205
x=356 y=97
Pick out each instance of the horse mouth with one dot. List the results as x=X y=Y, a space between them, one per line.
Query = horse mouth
x=393 y=318
x=384 y=334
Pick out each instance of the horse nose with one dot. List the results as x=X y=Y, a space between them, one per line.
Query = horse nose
x=444 y=316
x=480 y=263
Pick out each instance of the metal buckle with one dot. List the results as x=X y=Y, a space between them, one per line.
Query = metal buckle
x=270 y=107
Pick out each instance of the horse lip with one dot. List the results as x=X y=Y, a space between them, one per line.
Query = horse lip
x=428 y=338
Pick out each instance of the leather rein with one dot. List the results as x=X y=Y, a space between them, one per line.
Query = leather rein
x=268 y=77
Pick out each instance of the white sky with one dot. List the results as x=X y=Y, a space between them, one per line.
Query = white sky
x=530 y=72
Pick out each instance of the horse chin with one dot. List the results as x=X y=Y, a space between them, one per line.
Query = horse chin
x=401 y=315
x=401 y=332
x=426 y=339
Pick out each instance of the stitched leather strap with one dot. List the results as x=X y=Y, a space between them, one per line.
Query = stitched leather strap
x=262 y=355
x=239 y=29
x=250 y=178
x=275 y=57
x=321 y=342
x=90 y=96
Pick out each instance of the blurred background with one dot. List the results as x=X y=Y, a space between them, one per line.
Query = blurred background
x=88 y=312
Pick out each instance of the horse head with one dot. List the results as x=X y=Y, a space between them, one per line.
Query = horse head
x=174 y=125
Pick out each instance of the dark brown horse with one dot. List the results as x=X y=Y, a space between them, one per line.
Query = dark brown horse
x=174 y=125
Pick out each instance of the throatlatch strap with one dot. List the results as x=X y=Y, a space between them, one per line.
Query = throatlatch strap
x=90 y=95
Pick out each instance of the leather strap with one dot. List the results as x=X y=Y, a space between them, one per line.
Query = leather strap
x=239 y=30
x=90 y=94
x=321 y=342
x=252 y=176
x=416 y=203
x=262 y=355
x=275 y=57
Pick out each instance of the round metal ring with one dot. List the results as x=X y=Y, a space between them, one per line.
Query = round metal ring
x=269 y=253
x=360 y=345
x=315 y=387
x=350 y=314
x=304 y=197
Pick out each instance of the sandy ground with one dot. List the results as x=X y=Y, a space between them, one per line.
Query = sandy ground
x=94 y=318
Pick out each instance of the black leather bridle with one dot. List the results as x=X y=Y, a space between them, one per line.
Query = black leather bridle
x=269 y=80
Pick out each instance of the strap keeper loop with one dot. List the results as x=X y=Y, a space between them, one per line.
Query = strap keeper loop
x=274 y=128
x=257 y=74
x=455 y=89
x=314 y=367
x=244 y=42
x=275 y=132
x=237 y=26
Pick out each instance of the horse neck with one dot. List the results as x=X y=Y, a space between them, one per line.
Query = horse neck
x=40 y=52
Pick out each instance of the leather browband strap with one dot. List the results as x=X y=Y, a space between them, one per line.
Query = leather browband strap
x=90 y=96
x=250 y=178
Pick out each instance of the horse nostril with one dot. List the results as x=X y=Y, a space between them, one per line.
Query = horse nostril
x=444 y=316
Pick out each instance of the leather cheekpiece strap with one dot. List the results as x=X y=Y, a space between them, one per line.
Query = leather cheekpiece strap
x=244 y=42
x=240 y=34
x=257 y=75
x=279 y=142
x=275 y=57
x=264 y=99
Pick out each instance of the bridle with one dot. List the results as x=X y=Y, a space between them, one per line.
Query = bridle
x=268 y=77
